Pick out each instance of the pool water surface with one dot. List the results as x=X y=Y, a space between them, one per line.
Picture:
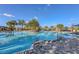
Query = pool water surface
x=23 y=40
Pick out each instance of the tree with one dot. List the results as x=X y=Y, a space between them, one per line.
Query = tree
x=60 y=27
x=11 y=24
x=27 y=26
x=22 y=23
x=34 y=25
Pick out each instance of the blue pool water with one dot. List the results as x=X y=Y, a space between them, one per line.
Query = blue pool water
x=23 y=40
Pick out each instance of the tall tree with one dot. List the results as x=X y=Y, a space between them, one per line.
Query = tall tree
x=11 y=24
x=34 y=24
x=60 y=27
x=22 y=23
x=27 y=26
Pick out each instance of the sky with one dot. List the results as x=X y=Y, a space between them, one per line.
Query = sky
x=47 y=14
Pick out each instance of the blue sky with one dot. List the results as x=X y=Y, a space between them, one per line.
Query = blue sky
x=47 y=14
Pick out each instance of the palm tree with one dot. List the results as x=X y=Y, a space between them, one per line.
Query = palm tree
x=60 y=27
x=11 y=24
x=27 y=26
x=22 y=23
x=34 y=24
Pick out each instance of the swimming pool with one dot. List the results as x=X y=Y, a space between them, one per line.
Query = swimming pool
x=23 y=40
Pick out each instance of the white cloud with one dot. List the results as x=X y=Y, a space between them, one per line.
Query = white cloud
x=8 y=15
x=35 y=17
